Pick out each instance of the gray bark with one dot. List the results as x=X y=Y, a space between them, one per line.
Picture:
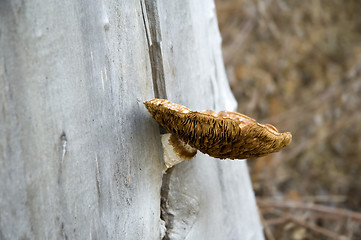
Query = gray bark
x=80 y=157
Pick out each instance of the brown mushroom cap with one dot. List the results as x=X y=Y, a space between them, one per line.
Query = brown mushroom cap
x=220 y=135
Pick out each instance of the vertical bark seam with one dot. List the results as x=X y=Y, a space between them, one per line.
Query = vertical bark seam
x=153 y=33
x=152 y=27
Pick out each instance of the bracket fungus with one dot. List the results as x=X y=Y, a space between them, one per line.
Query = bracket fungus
x=221 y=135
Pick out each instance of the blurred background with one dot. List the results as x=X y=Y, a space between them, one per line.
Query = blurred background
x=297 y=65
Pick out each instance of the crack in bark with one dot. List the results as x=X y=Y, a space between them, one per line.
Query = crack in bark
x=164 y=214
x=154 y=38
x=152 y=27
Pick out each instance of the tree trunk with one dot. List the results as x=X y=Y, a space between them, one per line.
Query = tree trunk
x=80 y=156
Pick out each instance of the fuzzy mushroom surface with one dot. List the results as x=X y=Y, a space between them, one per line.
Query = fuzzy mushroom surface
x=221 y=135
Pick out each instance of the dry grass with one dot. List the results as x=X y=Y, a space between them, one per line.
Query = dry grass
x=297 y=65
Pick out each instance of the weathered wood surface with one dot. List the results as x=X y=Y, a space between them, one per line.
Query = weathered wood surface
x=209 y=198
x=80 y=157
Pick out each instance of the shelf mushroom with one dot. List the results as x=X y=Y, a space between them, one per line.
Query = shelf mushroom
x=221 y=135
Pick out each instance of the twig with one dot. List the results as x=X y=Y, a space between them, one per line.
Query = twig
x=326 y=198
x=314 y=228
x=274 y=221
x=313 y=207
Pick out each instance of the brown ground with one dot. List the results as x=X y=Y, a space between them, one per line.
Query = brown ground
x=297 y=65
